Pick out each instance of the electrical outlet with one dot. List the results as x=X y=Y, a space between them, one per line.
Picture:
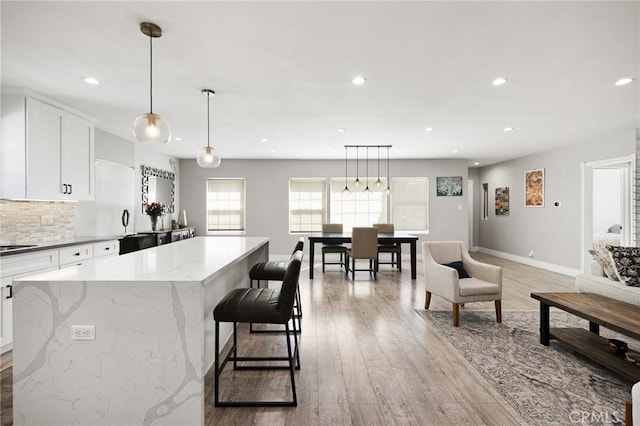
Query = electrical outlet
x=83 y=332
x=46 y=219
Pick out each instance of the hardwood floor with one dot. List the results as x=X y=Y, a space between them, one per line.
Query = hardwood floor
x=367 y=357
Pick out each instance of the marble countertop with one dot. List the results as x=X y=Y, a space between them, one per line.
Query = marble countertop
x=52 y=245
x=194 y=259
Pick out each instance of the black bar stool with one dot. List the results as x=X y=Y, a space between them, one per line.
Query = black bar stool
x=263 y=306
x=275 y=271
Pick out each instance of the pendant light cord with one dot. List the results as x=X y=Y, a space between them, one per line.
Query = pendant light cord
x=208 y=124
x=378 y=164
x=345 y=167
x=150 y=75
x=367 y=167
x=357 y=164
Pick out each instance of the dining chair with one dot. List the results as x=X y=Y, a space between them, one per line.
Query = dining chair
x=333 y=248
x=364 y=246
x=394 y=249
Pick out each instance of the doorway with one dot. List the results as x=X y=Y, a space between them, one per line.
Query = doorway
x=608 y=207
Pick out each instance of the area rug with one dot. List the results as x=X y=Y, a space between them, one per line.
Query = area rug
x=542 y=385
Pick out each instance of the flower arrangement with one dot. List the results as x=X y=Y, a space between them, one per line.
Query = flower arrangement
x=154 y=209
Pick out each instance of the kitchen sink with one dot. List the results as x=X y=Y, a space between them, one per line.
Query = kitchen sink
x=16 y=247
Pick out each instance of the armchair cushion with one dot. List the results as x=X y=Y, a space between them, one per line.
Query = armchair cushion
x=476 y=287
x=462 y=273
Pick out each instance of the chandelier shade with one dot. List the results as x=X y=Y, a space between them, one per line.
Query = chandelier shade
x=150 y=127
x=208 y=157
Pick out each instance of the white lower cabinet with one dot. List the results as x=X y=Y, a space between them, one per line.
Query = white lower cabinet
x=14 y=267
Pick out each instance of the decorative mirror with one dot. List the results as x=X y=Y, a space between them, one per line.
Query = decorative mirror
x=158 y=186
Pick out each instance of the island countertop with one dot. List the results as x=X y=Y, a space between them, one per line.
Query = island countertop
x=149 y=315
x=194 y=259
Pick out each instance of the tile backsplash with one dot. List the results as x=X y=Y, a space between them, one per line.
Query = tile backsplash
x=24 y=222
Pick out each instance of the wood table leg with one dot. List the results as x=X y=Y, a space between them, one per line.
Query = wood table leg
x=544 y=323
x=413 y=260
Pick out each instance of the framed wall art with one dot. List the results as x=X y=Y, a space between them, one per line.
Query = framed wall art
x=502 y=201
x=534 y=188
x=449 y=186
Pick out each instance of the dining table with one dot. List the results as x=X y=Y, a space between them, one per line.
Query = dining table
x=397 y=237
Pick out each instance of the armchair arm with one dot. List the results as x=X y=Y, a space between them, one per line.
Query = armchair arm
x=482 y=271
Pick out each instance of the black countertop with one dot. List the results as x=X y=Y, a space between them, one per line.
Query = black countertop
x=52 y=245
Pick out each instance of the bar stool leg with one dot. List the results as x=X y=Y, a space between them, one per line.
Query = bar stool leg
x=216 y=388
x=291 y=365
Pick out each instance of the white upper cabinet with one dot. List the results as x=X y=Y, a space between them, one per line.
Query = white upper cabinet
x=47 y=151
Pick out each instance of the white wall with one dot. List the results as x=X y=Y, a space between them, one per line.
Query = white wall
x=552 y=233
x=267 y=183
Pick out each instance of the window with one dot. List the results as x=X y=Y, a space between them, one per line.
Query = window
x=409 y=204
x=225 y=205
x=357 y=208
x=307 y=205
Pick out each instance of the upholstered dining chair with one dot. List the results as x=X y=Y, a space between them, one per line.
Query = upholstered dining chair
x=452 y=274
x=394 y=249
x=336 y=248
x=364 y=246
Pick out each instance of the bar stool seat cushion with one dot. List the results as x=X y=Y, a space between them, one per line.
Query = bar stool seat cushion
x=268 y=271
x=258 y=305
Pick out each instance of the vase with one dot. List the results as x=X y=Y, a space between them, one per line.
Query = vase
x=154 y=222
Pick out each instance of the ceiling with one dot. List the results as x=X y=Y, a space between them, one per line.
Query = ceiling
x=283 y=70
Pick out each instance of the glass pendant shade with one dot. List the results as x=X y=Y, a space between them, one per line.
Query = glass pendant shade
x=378 y=183
x=151 y=128
x=208 y=158
x=356 y=182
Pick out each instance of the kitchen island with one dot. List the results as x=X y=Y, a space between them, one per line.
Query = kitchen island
x=152 y=313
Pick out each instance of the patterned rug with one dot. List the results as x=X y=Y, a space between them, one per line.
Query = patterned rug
x=542 y=385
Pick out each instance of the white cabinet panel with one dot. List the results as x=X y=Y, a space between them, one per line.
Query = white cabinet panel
x=75 y=254
x=106 y=248
x=47 y=151
x=44 y=129
x=77 y=157
x=28 y=262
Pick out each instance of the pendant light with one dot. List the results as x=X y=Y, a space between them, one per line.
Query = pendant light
x=388 y=189
x=346 y=188
x=150 y=127
x=357 y=181
x=208 y=157
x=367 y=190
x=378 y=182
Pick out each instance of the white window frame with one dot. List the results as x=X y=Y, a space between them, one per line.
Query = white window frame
x=243 y=209
x=309 y=211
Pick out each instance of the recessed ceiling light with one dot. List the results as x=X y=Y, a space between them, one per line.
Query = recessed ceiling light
x=624 y=81
x=508 y=129
x=359 y=80
x=177 y=139
x=476 y=164
x=341 y=130
x=454 y=150
x=272 y=151
x=499 y=81
x=91 y=80
x=264 y=140
x=429 y=129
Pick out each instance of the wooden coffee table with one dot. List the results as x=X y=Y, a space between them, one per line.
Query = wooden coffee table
x=599 y=311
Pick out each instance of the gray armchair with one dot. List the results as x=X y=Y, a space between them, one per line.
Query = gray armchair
x=485 y=283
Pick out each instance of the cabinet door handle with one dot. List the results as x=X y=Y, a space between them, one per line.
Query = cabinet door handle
x=77 y=254
x=107 y=248
x=64 y=188
x=70 y=189
x=10 y=287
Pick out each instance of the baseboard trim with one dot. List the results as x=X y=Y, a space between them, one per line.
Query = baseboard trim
x=531 y=262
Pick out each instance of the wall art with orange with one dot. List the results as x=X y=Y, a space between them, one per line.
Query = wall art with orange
x=534 y=188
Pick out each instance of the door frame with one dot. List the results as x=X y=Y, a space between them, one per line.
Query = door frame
x=628 y=164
